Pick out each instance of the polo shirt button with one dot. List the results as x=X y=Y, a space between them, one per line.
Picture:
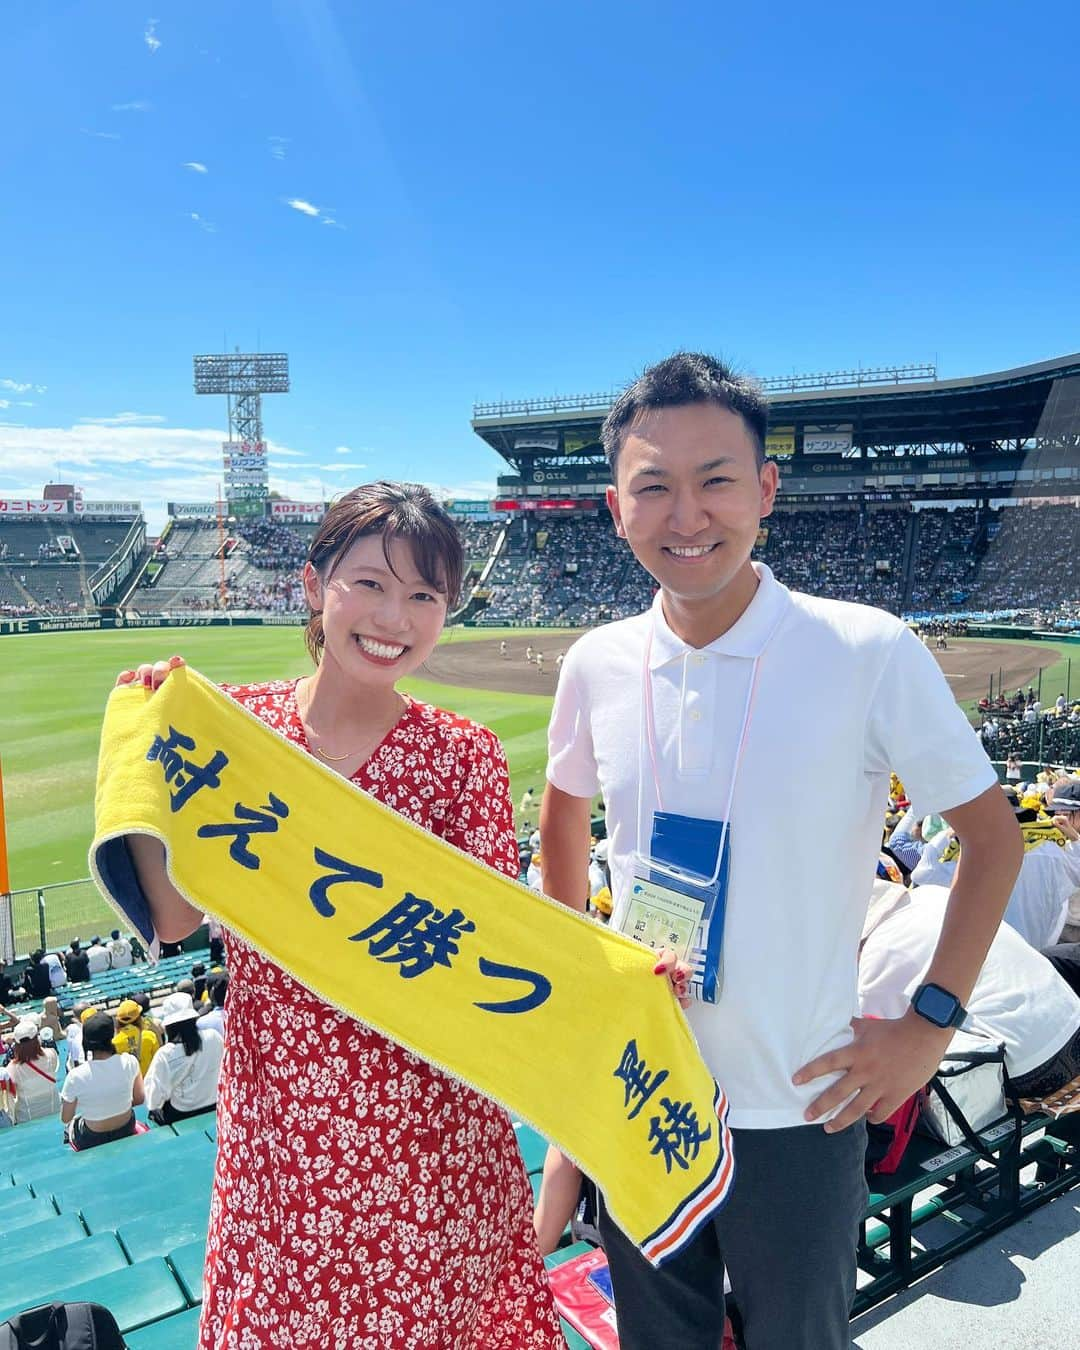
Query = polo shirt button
x=695 y=716
x=699 y=660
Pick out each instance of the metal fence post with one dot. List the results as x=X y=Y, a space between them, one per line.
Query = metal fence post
x=41 y=917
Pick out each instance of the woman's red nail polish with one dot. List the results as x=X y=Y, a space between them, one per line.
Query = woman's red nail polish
x=659 y=968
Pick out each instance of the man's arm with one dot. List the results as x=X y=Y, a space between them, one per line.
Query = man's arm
x=564 y=846
x=889 y=1060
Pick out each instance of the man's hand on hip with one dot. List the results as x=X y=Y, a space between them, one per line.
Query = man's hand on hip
x=886 y=1062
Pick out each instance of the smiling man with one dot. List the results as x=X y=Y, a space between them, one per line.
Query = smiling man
x=694 y=720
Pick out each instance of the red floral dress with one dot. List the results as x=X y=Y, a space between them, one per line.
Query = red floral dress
x=363 y=1199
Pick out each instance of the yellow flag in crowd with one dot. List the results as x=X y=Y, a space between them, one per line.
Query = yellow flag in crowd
x=557 y=1018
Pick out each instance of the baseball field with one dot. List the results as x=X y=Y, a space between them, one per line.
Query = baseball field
x=53 y=689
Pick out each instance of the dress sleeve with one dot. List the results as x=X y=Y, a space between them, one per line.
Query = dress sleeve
x=481 y=821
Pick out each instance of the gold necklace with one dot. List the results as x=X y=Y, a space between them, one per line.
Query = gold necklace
x=369 y=744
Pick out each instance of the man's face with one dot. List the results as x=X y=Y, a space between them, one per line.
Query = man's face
x=688 y=496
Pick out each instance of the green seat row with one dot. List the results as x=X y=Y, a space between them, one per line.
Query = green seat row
x=44 y=1272
x=44 y=1236
x=135 y=1295
x=179 y=1332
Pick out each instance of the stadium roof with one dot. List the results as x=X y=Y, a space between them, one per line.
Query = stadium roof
x=976 y=412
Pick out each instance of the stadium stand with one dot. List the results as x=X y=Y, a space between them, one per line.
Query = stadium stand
x=45 y=564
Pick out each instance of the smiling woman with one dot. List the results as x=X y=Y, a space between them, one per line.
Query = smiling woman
x=423 y=1238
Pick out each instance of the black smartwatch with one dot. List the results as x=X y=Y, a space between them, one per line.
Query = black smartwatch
x=938 y=1006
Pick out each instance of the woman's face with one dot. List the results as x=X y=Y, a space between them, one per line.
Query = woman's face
x=380 y=624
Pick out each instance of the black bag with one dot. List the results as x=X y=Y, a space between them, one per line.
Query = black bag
x=62 y=1326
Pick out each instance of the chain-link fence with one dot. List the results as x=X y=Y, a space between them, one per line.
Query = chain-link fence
x=50 y=916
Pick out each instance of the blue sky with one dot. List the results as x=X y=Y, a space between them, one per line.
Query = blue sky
x=428 y=204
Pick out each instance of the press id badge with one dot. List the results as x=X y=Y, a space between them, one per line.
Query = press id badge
x=678 y=896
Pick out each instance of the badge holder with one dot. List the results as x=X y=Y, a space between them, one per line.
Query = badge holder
x=678 y=896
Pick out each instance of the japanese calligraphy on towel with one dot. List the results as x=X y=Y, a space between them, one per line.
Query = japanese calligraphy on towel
x=560 y=1020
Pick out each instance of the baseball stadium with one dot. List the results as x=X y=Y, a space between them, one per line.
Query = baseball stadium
x=951 y=503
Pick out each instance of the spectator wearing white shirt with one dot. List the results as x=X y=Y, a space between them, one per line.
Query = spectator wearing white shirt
x=57 y=970
x=98 y=957
x=98 y=1098
x=30 y=1078
x=183 y=1077
x=75 y=1055
x=217 y=987
x=1019 y=999
x=119 y=949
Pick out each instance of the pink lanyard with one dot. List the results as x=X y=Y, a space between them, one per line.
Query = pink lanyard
x=650 y=739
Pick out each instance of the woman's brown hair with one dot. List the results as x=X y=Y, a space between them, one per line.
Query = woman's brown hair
x=25 y=1051
x=405 y=511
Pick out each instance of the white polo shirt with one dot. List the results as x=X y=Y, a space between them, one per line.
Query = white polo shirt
x=845 y=693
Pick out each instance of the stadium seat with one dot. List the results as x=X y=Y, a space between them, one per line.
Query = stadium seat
x=204 y=1124
x=564 y=1254
x=179 y=1332
x=532 y=1147
x=187 y=1262
x=161 y=1148
x=43 y=1237
x=167 y=1180
x=161 y=1231
x=22 y=1214
x=135 y=1295
x=43 y=1272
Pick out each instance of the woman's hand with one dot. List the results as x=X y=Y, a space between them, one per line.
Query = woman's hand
x=150 y=676
x=678 y=973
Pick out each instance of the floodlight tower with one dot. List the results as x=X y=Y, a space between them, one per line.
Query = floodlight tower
x=243 y=377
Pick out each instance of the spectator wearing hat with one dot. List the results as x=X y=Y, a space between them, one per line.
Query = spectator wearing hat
x=97 y=956
x=149 y=1021
x=98 y=1098
x=30 y=1078
x=132 y=1036
x=183 y=1078
x=119 y=949
x=1049 y=874
x=78 y=963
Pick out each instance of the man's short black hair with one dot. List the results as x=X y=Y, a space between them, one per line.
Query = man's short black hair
x=687 y=377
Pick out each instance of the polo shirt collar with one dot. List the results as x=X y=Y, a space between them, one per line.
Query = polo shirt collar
x=746 y=637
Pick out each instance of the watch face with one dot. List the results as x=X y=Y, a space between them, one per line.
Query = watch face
x=937 y=1005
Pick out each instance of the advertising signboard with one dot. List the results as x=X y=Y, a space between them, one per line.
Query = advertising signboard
x=780 y=443
x=826 y=440
x=12 y=506
x=110 y=508
x=193 y=510
x=308 y=512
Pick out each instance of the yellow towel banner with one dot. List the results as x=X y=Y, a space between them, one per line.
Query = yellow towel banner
x=557 y=1018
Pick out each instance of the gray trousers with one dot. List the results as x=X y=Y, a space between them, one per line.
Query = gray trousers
x=787 y=1235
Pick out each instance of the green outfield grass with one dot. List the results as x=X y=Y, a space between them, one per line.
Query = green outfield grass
x=53 y=689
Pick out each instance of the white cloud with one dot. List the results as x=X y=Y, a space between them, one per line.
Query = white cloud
x=5 y=403
x=342 y=450
x=204 y=225
x=152 y=464
x=150 y=37
x=298 y=204
x=195 y=166
x=339 y=467
x=123 y=419
x=16 y=387
x=100 y=135
x=328 y=220
x=279 y=146
x=140 y=105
